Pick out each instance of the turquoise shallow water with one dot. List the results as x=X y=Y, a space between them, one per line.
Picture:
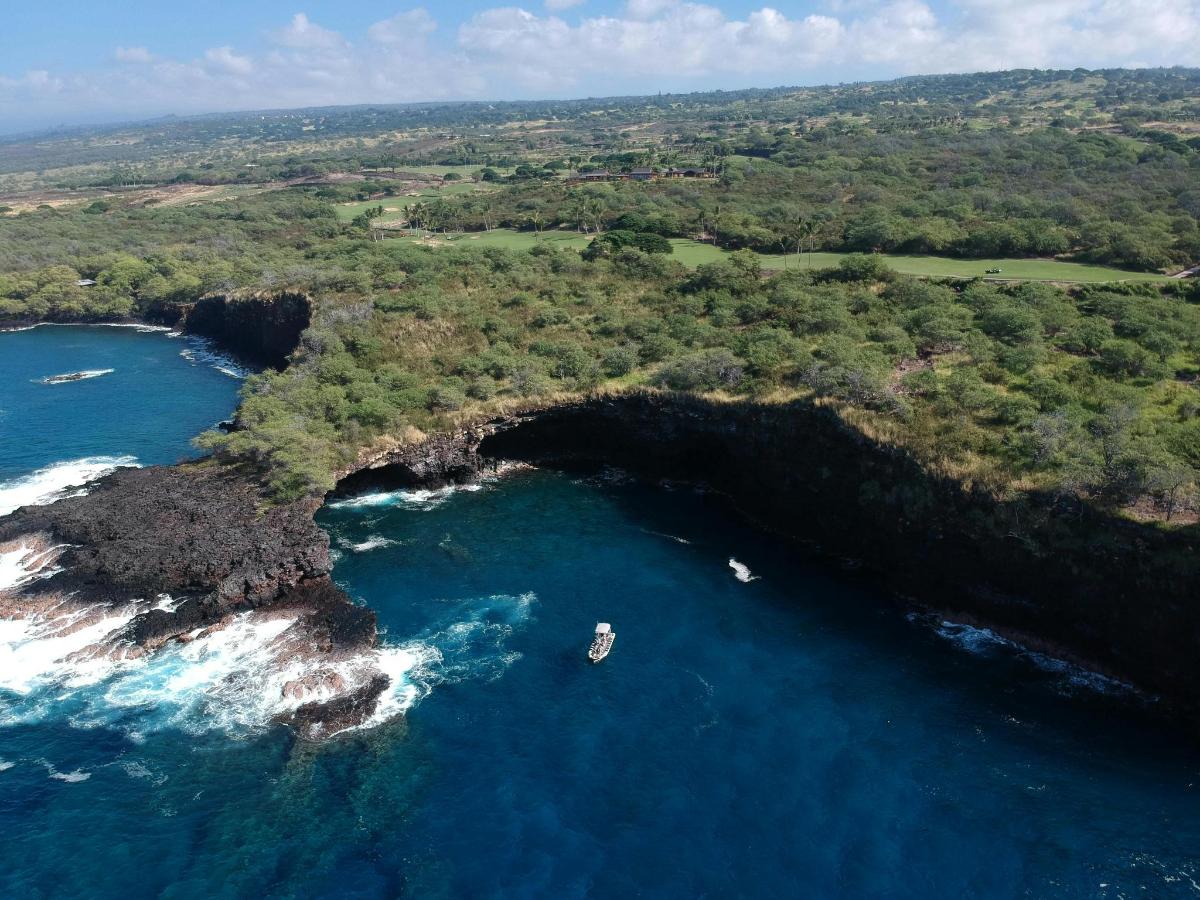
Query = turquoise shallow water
x=786 y=736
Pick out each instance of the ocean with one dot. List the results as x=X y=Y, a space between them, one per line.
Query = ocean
x=767 y=724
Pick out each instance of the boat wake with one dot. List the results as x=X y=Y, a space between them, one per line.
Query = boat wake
x=63 y=479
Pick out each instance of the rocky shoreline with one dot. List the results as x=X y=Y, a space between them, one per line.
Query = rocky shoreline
x=1114 y=595
x=185 y=549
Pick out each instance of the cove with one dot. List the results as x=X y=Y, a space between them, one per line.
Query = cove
x=790 y=736
x=156 y=394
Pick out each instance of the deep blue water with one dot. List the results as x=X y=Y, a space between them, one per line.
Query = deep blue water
x=790 y=736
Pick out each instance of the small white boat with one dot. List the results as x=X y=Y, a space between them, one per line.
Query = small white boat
x=602 y=642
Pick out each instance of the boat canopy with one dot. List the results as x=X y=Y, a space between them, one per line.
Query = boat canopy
x=603 y=628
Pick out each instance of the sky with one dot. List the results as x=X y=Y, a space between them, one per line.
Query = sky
x=90 y=61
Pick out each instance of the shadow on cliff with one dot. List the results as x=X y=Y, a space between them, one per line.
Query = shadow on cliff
x=1070 y=580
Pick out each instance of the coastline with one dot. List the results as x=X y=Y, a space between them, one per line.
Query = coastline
x=1028 y=575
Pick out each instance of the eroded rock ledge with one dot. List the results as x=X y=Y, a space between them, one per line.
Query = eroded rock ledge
x=192 y=546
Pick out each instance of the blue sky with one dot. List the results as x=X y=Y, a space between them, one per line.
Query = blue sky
x=74 y=61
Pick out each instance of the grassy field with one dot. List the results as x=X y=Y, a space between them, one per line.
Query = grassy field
x=694 y=253
x=508 y=239
x=393 y=206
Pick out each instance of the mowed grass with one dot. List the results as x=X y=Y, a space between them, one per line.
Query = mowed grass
x=394 y=206
x=693 y=253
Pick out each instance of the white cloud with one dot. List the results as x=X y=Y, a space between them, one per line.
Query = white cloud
x=133 y=55
x=225 y=60
x=404 y=28
x=507 y=51
x=301 y=34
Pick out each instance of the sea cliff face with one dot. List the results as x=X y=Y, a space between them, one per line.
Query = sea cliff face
x=1114 y=594
x=262 y=327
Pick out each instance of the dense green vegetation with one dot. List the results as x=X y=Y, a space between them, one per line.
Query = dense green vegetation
x=457 y=272
x=1090 y=393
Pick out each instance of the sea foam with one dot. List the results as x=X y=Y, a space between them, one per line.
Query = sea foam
x=985 y=642
x=54 y=482
x=201 y=351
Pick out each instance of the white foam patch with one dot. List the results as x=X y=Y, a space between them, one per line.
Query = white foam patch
x=202 y=352
x=412 y=499
x=373 y=542
x=42 y=650
x=24 y=564
x=71 y=377
x=166 y=603
x=70 y=777
x=400 y=665
x=473 y=644
x=63 y=479
x=137 y=326
x=741 y=571
x=5 y=765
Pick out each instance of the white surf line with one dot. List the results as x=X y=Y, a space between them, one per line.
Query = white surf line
x=741 y=571
x=24 y=564
x=56 y=481
x=980 y=641
x=202 y=351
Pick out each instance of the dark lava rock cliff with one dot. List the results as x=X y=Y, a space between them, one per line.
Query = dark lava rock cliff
x=199 y=540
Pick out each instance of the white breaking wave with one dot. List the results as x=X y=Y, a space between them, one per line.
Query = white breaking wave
x=985 y=642
x=238 y=678
x=741 y=571
x=201 y=352
x=421 y=498
x=136 y=326
x=43 y=650
x=57 y=481
x=23 y=564
x=400 y=665
x=374 y=542
x=71 y=377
